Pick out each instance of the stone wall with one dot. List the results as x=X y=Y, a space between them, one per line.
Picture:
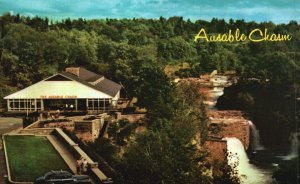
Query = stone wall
x=88 y=129
x=239 y=130
x=217 y=151
x=230 y=123
x=97 y=174
x=36 y=131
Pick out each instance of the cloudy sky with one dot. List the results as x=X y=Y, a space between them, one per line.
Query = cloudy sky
x=278 y=11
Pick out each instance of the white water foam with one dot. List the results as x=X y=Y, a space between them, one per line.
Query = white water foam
x=255 y=141
x=294 y=147
x=248 y=173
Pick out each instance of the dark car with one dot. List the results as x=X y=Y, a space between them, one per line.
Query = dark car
x=62 y=177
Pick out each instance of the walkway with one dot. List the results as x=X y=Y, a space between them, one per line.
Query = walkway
x=64 y=152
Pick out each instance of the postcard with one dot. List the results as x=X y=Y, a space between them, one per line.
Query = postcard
x=149 y=92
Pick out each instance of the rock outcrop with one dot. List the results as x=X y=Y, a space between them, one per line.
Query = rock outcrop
x=229 y=124
x=225 y=123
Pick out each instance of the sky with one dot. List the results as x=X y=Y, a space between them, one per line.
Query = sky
x=277 y=11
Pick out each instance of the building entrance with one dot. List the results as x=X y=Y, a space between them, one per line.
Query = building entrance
x=65 y=104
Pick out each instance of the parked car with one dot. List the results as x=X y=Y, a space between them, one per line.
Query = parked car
x=62 y=177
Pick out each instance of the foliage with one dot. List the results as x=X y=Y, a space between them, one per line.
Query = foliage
x=32 y=48
x=166 y=153
x=161 y=157
x=136 y=52
x=153 y=85
x=120 y=131
x=229 y=173
x=105 y=149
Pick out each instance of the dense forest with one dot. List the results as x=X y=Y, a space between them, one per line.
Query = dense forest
x=144 y=55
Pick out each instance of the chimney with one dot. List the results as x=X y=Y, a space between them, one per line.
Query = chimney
x=73 y=70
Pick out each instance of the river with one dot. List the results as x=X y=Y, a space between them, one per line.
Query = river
x=256 y=166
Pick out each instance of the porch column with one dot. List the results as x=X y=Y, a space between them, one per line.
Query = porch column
x=93 y=102
x=42 y=105
x=35 y=107
x=8 y=105
x=104 y=104
x=76 y=105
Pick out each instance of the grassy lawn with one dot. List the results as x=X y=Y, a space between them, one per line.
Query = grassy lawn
x=30 y=157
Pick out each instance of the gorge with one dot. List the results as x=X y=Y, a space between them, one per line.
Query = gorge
x=230 y=130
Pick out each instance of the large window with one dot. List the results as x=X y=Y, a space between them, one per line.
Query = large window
x=99 y=104
x=24 y=104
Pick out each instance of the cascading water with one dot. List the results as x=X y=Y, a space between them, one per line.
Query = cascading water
x=294 y=147
x=248 y=173
x=255 y=138
x=218 y=91
x=213 y=96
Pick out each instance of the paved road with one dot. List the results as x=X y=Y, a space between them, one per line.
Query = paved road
x=6 y=125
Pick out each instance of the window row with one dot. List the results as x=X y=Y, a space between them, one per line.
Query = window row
x=24 y=104
x=98 y=104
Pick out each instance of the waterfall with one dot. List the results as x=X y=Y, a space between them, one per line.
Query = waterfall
x=213 y=95
x=255 y=138
x=248 y=173
x=294 y=147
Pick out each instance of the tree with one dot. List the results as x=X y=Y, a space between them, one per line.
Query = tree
x=152 y=85
x=189 y=108
x=163 y=157
x=166 y=153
